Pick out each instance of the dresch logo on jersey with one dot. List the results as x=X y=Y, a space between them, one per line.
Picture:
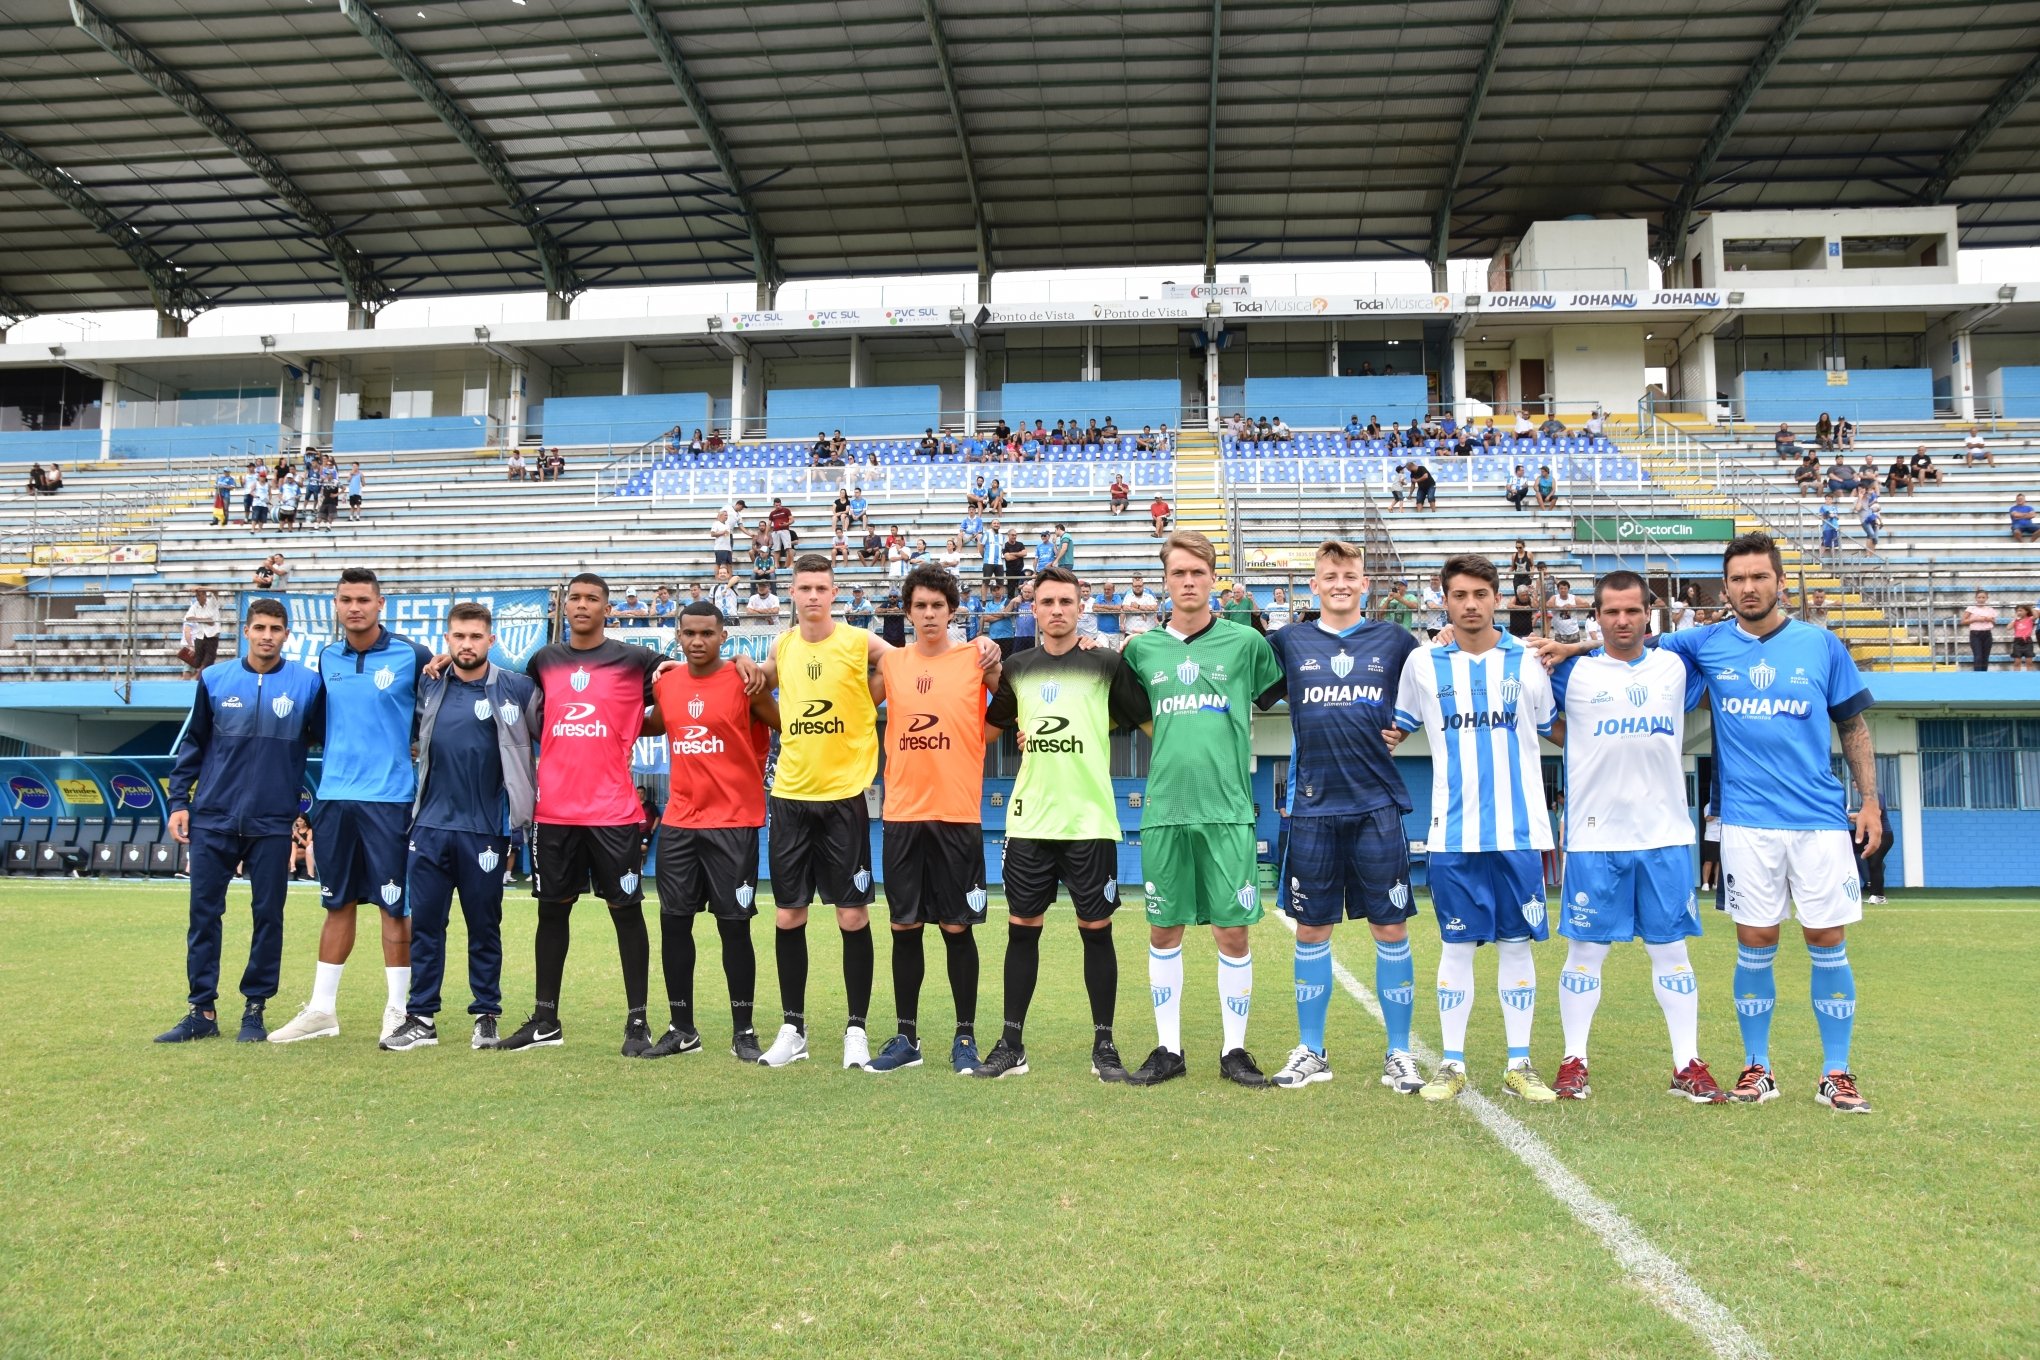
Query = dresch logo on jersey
x=574 y=722
x=695 y=741
x=1046 y=738
x=814 y=720
x=920 y=734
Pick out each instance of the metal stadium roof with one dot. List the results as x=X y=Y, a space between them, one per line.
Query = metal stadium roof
x=240 y=151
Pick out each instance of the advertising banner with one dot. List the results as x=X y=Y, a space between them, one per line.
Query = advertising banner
x=520 y=621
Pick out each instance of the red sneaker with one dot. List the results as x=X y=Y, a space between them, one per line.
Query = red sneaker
x=1572 y=1080
x=1697 y=1084
x=1755 y=1086
x=1837 y=1091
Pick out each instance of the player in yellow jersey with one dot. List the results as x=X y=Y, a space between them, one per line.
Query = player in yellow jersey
x=818 y=825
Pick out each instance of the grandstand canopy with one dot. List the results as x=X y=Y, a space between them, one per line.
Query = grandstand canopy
x=203 y=152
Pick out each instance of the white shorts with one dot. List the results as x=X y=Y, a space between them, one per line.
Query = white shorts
x=1768 y=875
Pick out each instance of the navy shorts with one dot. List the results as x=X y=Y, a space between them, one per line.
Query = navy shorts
x=1490 y=895
x=363 y=851
x=1616 y=895
x=1348 y=868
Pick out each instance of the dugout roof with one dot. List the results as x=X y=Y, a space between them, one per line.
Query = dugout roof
x=239 y=151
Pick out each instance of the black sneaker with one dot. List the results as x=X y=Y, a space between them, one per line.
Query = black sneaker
x=196 y=1024
x=1003 y=1061
x=1161 y=1066
x=637 y=1037
x=1239 y=1066
x=534 y=1033
x=485 y=1032
x=675 y=1041
x=1106 y=1065
x=253 y=1030
x=417 y=1031
x=744 y=1047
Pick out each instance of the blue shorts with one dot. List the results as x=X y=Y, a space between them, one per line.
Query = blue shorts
x=1616 y=895
x=1348 y=868
x=363 y=853
x=1490 y=895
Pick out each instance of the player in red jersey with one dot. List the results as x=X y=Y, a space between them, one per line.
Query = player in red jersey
x=718 y=737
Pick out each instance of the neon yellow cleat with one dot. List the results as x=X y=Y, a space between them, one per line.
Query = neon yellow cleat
x=1445 y=1083
x=1524 y=1083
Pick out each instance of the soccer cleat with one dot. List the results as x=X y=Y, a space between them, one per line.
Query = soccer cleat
x=1446 y=1082
x=637 y=1037
x=1875 y=899
x=964 y=1056
x=196 y=1024
x=1303 y=1068
x=1003 y=1061
x=1400 y=1074
x=393 y=1018
x=744 y=1047
x=789 y=1047
x=1161 y=1066
x=1238 y=1066
x=417 y=1031
x=309 y=1024
x=856 y=1048
x=253 y=1030
x=1106 y=1064
x=485 y=1032
x=534 y=1033
x=1837 y=1091
x=675 y=1040
x=1572 y=1080
x=1755 y=1086
x=1524 y=1083
x=899 y=1052
x=1697 y=1084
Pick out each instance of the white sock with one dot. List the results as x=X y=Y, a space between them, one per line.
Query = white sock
x=400 y=987
x=1678 y=996
x=1579 y=994
x=1165 y=984
x=326 y=987
x=1235 y=998
x=1455 y=998
x=1516 y=979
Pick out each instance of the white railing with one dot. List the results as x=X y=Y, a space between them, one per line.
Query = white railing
x=757 y=485
x=1377 y=474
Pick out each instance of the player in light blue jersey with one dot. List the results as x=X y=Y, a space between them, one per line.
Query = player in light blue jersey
x=1347 y=856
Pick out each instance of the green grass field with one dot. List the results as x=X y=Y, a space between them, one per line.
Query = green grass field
x=328 y=1199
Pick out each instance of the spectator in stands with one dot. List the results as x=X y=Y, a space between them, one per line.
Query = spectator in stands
x=1565 y=609
x=762 y=609
x=1547 y=488
x=839 y=447
x=1807 y=474
x=762 y=564
x=1597 y=422
x=1976 y=447
x=1279 y=613
x=1044 y=552
x=971 y=528
x=289 y=494
x=1023 y=618
x=1898 y=477
x=839 y=512
x=1105 y=604
x=995 y=498
x=1841 y=477
x=632 y=612
x=898 y=556
x=857 y=506
x=1686 y=613
x=871 y=552
x=1241 y=607
x=715 y=443
x=1872 y=516
x=515 y=469
x=950 y=558
x=721 y=538
x=779 y=521
x=1830 y=522
x=1117 y=494
x=974 y=496
x=272 y=573
x=201 y=634
x=1139 y=609
x=1065 y=549
x=1434 y=605
x=1866 y=483
x=1845 y=433
x=1980 y=619
x=1401 y=605
x=1522 y=565
x=1158 y=514
x=820 y=450
x=1164 y=441
x=996 y=619
x=1279 y=431
x=1785 y=442
x=1145 y=441
x=1056 y=437
x=1923 y=469
x=1463 y=444
x=1109 y=430
x=1416 y=433
x=1519 y=489
x=258 y=514
x=1423 y=486
x=666 y=609
x=839 y=545
x=357 y=485
x=2025 y=526
x=1817 y=609
x=929 y=445
x=858 y=612
x=1525 y=429
x=1013 y=553
x=1552 y=427
x=697 y=445
x=1824 y=432
x=329 y=492
x=1522 y=611
x=2022 y=638
x=1355 y=431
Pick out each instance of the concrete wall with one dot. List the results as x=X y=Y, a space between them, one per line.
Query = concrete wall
x=1131 y=404
x=1875 y=394
x=1599 y=363
x=1820 y=259
x=428 y=432
x=1970 y=848
x=622 y=422
x=796 y=413
x=2013 y=391
x=1597 y=254
x=1327 y=403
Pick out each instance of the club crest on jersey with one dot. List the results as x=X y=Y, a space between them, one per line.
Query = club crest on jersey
x=814 y=669
x=924 y=683
x=1049 y=690
x=975 y=899
x=1342 y=665
x=745 y=892
x=861 y=879
x=1399 y=895
x=1578 y=983
x=1533 y=912
x=483 y=712
x=1580 y=899
x=1187 y=671
x=1639 y=695
x=1519 y=998
x=695 y=707
x=1680 y=982
x=385 y=677
x=488 y=860
x=1511 y=691
x=1763 y=674
x=281 y=705
x=1450 y=998
x=507 y=712
x=1111 y=892
x=628 y=883
x=579 y=679
x=1850 y=888
x=390 y=893
x=1245 y=897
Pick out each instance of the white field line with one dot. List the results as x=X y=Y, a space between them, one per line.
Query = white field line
x=1663 y=1280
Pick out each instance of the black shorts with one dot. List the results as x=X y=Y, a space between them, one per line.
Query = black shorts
x=1710 y=851
x=568 y=860
x=820 y=850
x=1088 y=869
x=713 y=868
x=935 y=873
x=354 y=501
x=2022 y=649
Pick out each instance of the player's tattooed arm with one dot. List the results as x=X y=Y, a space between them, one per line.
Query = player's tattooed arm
x=1862 y=757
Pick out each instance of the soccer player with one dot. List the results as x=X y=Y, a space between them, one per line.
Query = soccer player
x=1202 y=674
x=475 y=778
x=366 y=787
x=933 y=839
x=718 y=737
x=592 y=695
x=1628 y=864
x=1347 y=857
x=1062 y=823
x=1481 y=700
x=252 y=721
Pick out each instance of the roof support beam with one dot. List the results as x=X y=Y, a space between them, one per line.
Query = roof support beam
x=977 y=203
x=1441 y=225
x=175 y=297
x=364 y=290
x=1672 y=242
x=1211 y=156
x=2006 y=104
x=13 y=309
x=561 y=282
x=763 y=258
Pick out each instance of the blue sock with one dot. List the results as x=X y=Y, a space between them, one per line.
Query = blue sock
x=1313 y=992
x=1756 y=992
x=1834 y=1003
x=1395 y=982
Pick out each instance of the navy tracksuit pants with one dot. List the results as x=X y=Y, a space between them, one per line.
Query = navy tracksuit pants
x=472 y=864
x=214 y=857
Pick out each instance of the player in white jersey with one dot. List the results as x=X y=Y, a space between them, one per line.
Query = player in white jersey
x=1628 y=866
x=1482 y=699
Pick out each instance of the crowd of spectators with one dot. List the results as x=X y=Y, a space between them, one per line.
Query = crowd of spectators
x=45 y=483
x=289 y=496
x=547 y=465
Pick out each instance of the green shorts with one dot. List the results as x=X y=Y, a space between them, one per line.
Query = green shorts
x=1200 y=875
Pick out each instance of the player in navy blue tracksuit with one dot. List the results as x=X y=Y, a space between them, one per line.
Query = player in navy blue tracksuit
x=233 y=796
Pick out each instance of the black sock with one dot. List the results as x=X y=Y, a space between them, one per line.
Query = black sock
x=740 y=969
x=789 y=947
x=550 y=948
x=859 y=961
x=909 y=967
x=963 y=978
x=676 y=959
x=634 y=952
x=1101 y=977
x=1023 y=968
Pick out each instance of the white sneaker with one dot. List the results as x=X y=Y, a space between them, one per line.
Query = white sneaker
x=310 y=1024
x=789 y=1047
x=1399 y=1073
x=392 y=1020
x=1876 y=899
x=856 y=1049
x=1303 y=1068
